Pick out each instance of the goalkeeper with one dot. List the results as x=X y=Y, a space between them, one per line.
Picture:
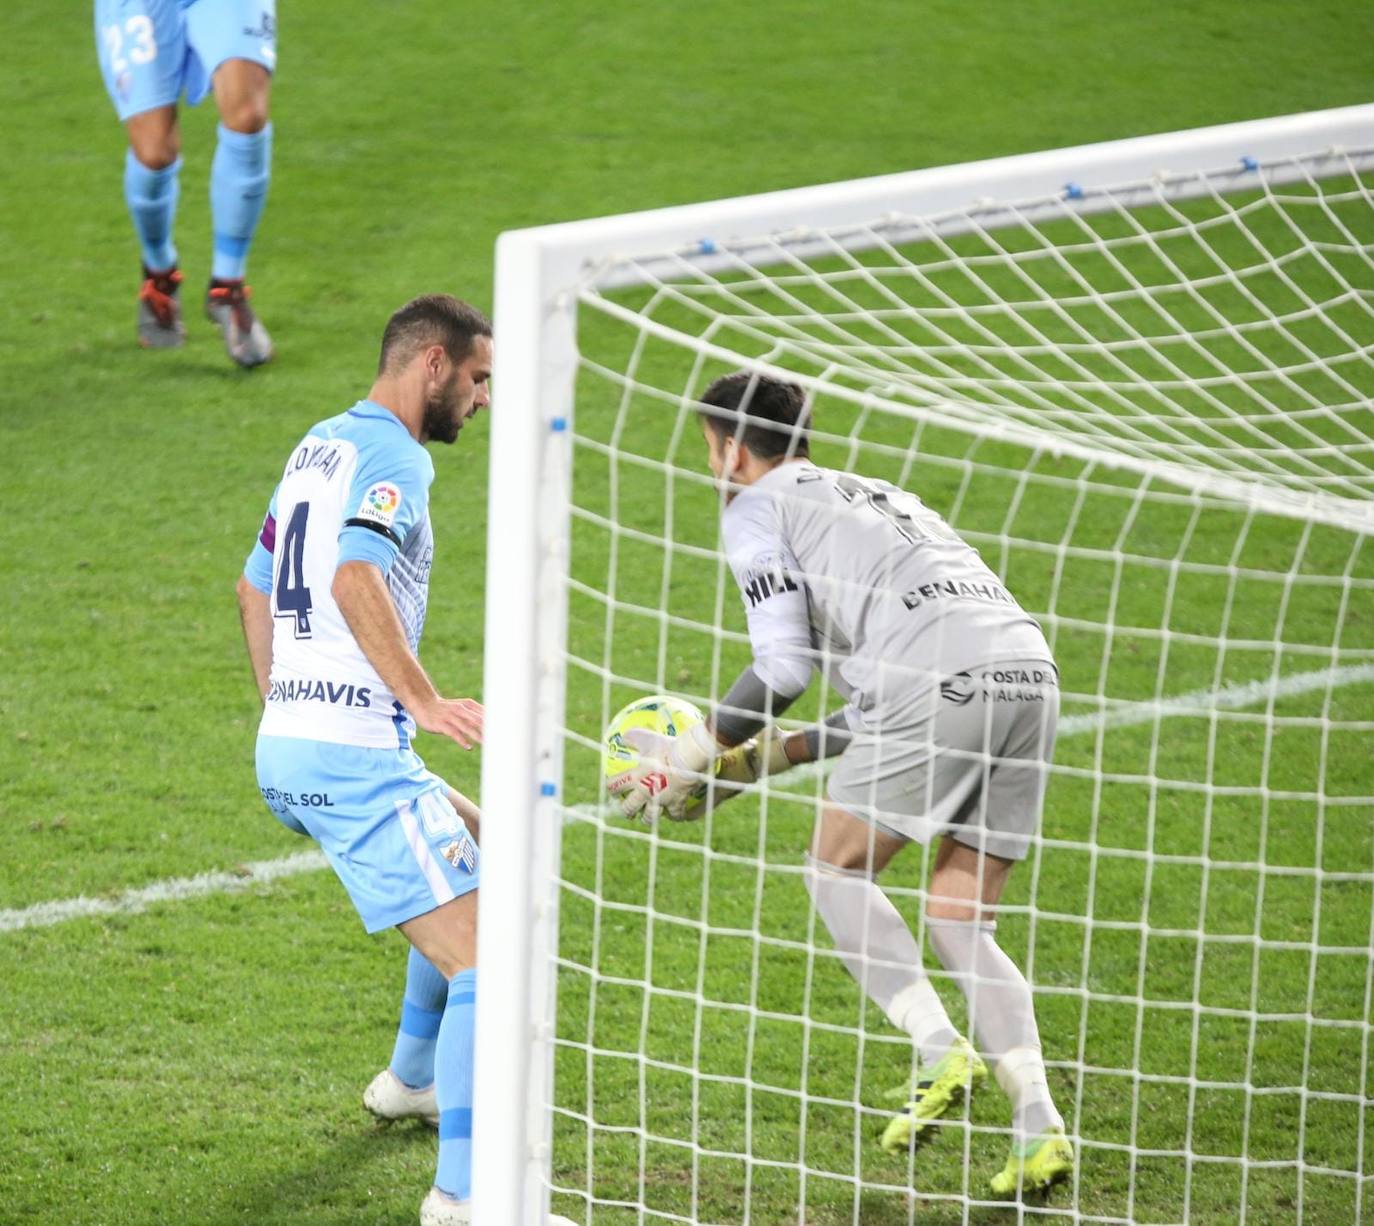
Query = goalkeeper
x=947 y=731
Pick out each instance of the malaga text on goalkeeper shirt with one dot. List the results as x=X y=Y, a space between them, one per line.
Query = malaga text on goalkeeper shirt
x=863 y=580
x=356 y=488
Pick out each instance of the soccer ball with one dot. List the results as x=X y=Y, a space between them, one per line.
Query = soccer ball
x=660 y=713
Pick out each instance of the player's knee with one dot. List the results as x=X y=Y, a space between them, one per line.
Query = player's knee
x=450 y=952
x=155 y=149
x=447 y=935
x=449 y=963
x=242 y=90
x=247 y=114
x=852 y=859
x=951 y=910
x=832 y=849
x=950 y=898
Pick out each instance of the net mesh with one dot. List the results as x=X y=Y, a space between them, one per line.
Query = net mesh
x=1154 y=422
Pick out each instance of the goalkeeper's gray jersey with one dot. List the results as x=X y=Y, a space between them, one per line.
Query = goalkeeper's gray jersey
x=861 y=579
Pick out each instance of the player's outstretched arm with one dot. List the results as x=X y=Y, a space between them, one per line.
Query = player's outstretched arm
x=255 y=614
x=772 y=752
x=361 y=594
x=760 y=757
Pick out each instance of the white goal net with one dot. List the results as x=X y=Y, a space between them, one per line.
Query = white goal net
x=1139 y=379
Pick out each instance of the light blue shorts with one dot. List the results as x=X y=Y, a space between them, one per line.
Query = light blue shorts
x=152 y=50
x=383 y=821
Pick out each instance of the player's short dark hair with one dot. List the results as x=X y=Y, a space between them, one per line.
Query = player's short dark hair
x=431 y=319
x=767 y=415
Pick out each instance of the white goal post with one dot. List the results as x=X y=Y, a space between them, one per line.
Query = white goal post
x=801 y=282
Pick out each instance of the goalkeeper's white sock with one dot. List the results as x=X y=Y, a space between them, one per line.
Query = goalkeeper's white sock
x=1002 y=1016
x=880 y=952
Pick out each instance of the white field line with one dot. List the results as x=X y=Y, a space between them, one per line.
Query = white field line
x=261 y=872
x=1227 y=698
x=172 y=889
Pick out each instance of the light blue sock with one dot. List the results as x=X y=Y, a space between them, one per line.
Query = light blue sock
x=152 y=199
x=453 y=1086
x=238 y=189
x=422 y=1010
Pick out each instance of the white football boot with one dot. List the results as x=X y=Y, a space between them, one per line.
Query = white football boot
x=389 y=1098
x=440 y=1209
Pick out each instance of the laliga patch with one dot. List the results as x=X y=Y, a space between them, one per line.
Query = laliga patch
x=380 y=504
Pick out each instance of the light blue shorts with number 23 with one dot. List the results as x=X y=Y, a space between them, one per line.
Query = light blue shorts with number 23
x=153 y=50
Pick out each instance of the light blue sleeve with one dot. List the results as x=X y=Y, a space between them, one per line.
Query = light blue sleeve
x=363 y=545
x=388 y=497
x=258 y=568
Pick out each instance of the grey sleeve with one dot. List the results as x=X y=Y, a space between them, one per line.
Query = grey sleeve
x=830 y=737
x=747 y=707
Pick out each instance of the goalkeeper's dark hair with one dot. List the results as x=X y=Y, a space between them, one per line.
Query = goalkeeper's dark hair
x=769 y=416
x=431 y=319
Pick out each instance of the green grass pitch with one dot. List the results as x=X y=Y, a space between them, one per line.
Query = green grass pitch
x=203 y=1060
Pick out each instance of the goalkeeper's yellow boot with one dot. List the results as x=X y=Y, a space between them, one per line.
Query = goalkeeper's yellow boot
x=1036 y=1166
x=935 y=1093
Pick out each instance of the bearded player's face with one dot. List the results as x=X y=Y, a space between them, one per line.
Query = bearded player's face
x=457 y=395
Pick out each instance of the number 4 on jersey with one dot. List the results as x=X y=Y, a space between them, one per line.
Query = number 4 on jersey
x=292 y=598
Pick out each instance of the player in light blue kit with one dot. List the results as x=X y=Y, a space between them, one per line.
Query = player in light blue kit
x=151 y=51
x=333 y=603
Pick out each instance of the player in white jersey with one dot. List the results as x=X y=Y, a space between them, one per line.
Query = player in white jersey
x=947 y=728
x=333 y=604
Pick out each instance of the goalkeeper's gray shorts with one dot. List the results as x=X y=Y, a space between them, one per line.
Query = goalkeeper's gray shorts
x=969 y=757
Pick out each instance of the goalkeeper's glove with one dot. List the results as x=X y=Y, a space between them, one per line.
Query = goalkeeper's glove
x=672 y=775
x=669 y=770
x=757 y=758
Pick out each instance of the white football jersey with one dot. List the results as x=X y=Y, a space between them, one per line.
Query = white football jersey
x=357 y=486
x=862 y=580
